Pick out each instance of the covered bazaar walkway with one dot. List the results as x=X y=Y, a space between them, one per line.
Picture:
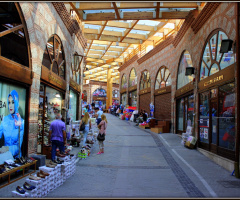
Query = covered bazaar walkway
x=139 y=163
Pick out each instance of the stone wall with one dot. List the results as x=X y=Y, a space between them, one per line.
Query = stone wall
x=42 y=22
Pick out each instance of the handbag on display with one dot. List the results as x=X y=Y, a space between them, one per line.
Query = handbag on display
x=82 y=127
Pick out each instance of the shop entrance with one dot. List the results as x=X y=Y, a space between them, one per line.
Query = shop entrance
x=185 y=108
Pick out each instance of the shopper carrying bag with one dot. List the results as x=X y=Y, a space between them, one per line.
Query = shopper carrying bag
x=85 y=120
x=102 y=133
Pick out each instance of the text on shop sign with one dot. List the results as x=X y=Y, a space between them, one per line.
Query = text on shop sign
x=214 y=80
x=185 y=89
x=2 y=105
x=51 y=77
x=162 y=91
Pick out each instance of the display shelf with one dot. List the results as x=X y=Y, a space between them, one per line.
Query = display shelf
x=10 y=173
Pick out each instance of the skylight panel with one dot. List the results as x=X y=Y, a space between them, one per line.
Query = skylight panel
x=169 y=25
x=158 y=34
x=140 y=32
x=126 y=21
x=107 y=28
x=98 y=11
x=139 y=10
x=148 y=22
x=92 y=26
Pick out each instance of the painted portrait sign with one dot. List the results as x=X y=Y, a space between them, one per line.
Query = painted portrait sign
x=12 y=117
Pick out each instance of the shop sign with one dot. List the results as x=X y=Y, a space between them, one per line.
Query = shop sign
x=220 y=77
x=74 y=85
x=132 y=88
x=144 y=91
x=52 y=78
x=99 y=98
x=214 y=80
x=123 y=90
x=163 y=90
x=185 y=89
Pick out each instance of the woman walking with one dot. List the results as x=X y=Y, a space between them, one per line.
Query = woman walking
x=102 y=126
x=86 y=120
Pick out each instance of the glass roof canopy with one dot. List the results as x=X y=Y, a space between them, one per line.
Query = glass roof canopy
x=115 y=31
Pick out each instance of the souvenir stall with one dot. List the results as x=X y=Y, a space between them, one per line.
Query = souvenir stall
x=99 y=97
x=51 y=94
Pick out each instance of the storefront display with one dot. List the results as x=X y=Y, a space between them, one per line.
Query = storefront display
x=124 y=99
x=115 y=97
x=12 y=117
x=217 y=99
x=99 y=98
x=72 y=111
x=50 y=104
x=184 y=95
x=133 y=98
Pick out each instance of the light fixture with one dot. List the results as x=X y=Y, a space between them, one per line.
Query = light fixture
x=226 y=46
x=57 y=95
x=189 y=71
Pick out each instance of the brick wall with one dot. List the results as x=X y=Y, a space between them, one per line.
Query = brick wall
x=222 y=16
x=162 y=108
x=144 y=102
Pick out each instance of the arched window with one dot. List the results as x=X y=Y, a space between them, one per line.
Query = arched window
x=145 y=81
x=54 y=58
x=99 y=93
x=133 y=77
x=163 y=78
x=212 y=60
x=75 y=72
x=115 y=93
x=185 y=61
x=124 y=82
x=14 y=42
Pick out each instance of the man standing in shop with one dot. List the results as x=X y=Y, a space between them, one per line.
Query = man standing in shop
x=57 y=135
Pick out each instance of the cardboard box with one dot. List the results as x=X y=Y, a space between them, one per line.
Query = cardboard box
x=157 y=130
x=189 y=145
x=144 y=127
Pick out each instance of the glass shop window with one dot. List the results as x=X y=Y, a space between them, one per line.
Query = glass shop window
x=204 y=117
x=227 y=116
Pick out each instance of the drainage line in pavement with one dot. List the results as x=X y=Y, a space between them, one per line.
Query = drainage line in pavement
x=182 y=177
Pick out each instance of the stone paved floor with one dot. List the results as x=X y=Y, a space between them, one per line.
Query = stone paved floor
x=138 y=163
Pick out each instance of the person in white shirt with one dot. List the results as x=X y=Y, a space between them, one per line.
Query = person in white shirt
x=98 y=115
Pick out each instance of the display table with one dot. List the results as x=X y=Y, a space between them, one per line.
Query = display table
x=14 y=170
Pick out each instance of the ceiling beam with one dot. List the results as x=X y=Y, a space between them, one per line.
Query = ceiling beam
x=116 y=10
x=128 y=31
x=157 y=10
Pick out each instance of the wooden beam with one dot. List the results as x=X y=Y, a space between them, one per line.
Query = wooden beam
x=174 y=15
x=116 y=10
x=102 y=29
x=179 y=5
x=100 y=16
x=107 y=49
x=137 y=36
x=78 y=12
x=128 y=31
x=157 y=10
x=113 y=33
x=94 y=6
x=11 y=30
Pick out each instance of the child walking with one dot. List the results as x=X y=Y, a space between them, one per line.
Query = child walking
x=102 y=126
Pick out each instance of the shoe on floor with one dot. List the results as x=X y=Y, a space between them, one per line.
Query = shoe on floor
x=99 y=152
x=20 y=190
